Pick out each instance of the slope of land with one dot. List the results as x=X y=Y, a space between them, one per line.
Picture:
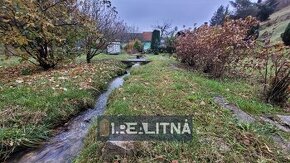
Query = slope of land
x=164 y=88
x=277 y=23
x=34 y=102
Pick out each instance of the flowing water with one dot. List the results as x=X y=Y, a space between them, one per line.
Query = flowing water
x=64 y=147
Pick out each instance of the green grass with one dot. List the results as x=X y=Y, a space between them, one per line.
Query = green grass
x=13 y=60
x=102 y=56
x=277 y=24
x=281 y=14
x=277 y=30
x=32 y=106
x=161 y=89
x=8 y=61
x=245 y=96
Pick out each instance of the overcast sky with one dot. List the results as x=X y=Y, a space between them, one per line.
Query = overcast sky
x=146 y=13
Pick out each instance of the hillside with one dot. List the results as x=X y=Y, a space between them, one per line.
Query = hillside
x=277 y=23
x=282 y=4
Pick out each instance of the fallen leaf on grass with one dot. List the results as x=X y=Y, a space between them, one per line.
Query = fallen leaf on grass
x=62 y=78
x=202 y=103
x=19 y=81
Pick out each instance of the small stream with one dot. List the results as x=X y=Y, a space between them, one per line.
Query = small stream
x=65 y=146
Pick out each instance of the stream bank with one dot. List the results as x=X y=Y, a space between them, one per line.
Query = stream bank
x=160 y=89
x=65 y=146
x=34 y=107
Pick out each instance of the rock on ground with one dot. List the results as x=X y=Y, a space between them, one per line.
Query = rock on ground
x=238 y=113
x=117 y=148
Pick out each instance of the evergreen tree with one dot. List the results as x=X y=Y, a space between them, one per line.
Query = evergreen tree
x=244 y=8
x=266 y=9
x=155 y=42
x=219 y=16
x=286 y=36
x=261 y=10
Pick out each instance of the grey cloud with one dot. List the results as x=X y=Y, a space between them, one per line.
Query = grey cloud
x=145 y=13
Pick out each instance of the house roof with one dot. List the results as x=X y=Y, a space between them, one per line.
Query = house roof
x=147 y=36
x=131 y=36
x=143 y=37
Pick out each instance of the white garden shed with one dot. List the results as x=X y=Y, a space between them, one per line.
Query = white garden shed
x=114 y=48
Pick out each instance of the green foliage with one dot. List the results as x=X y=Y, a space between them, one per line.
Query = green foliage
x=244 y=8
x=170 y=41
x=219 y=16
x=241 y=4
x=286 y=36
x=50 y=31
x=102 y=28
x=26 y=71
x=138 y=46
x=266 y=9
x=134 y=46
x=155 y=42
x=253 y=32
x=261 y=10
x=35 y=28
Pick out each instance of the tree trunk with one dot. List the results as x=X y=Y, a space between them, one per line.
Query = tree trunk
x=43 y=60
x=47 y=66
x=88 y=60
x=89 y=57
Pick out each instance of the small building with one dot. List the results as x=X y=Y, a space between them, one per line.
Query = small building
x=147 y=37
x=144 y=37
x=114 y=48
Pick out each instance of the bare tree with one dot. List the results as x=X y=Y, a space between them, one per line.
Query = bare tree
x=108 y=27
x=167 y=33
x=131 y=33
x=163 y=28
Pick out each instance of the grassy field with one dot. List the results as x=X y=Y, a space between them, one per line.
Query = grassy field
x=8 y=61
x=162 y=88
x=13 y=61
x=277 y=24
x=104 y=56
x=34 y=102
